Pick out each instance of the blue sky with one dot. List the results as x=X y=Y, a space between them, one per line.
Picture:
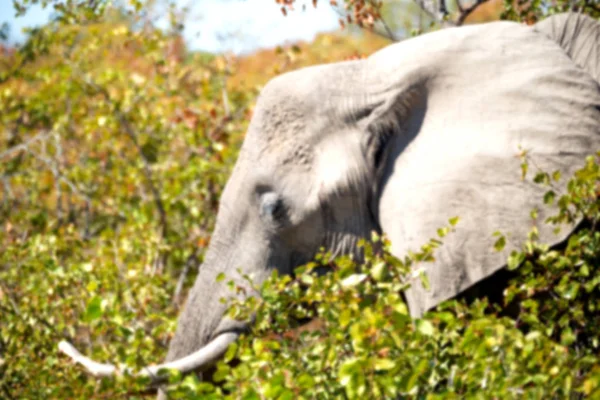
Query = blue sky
x=220 y=25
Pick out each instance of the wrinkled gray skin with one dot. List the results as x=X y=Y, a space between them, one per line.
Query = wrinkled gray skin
x=421 y=131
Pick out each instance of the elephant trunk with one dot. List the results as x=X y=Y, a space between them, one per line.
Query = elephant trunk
x=203 y=334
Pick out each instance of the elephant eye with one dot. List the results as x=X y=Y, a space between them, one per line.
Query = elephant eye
x=272 y=207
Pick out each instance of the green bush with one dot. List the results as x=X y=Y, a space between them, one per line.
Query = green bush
x=114 y=152
x=362 y=342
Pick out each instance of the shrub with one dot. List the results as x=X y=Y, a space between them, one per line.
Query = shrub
x=362 y=343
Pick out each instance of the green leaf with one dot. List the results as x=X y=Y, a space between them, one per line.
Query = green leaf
x=231 y=352
x=353 y=280
x=453 y=221
x=384 y=364
x=542 y=178
x=567 y=337
x=347 y=370
x=571 y=291
x=345 y=318
x=549 y=197
x=442 y=232
x=534 y=213
x=378 y=271
x=556 y=175
x=500 y=243
x=425 y=327
x=93 y=310
x=524 y=168
x=515 y=259
x=306 y=381
x=424 y=279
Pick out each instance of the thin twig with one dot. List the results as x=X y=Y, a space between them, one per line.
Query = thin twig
x=44 y=322
x=81 y=192
x=7 y=393
x=443 y=9
x=224 y=120
x=463 y=12
x=388 y=30
x=224 y=84
x=56 y=172
x=10 y=298
x=124 y=122
x=24 y=146
x=147 y=171
x=426 y=10
x=189 y=263
x=387 y=35
x=7 y=194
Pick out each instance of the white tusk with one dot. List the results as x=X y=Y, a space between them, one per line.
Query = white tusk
x=95 y=368
x=196 y=361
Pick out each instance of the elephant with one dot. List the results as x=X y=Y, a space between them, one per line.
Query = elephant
x=421 y=131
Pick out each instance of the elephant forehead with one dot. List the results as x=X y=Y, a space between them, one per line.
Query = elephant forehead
x=280 y=135
x=284 y=153
x=295 y=111
x=279 y=124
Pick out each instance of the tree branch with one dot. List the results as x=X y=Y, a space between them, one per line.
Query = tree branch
x=465 y=12
x=74 y=188
x=431 y=14
x=129 y=131
x=443 y=9
x=17 y=314
x=146 y=169
x=388 y=32
x=191 y=261
x=25 y=145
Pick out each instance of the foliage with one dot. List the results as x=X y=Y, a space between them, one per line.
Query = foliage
x=384 y=16
x=115 y=148
x=116 y=144
x=536 y=10
x=365 y=345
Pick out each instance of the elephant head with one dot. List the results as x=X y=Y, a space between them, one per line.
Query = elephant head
x=421 y=131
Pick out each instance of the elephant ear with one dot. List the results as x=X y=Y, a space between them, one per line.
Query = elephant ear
x=579 y=36
x=488 y=94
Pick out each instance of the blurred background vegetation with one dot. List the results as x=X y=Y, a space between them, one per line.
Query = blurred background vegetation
x=115 y=143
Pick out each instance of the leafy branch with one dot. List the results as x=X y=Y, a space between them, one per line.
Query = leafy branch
x=123 y=120
x=443 y=16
